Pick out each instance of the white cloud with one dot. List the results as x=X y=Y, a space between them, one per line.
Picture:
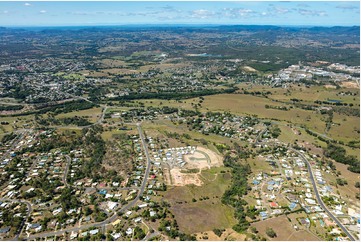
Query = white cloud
x=27 y=4
x=237 y=12
x=307 y=12
x=42 y=11
x=202 y=13
x=347 y=7
x=280 y=10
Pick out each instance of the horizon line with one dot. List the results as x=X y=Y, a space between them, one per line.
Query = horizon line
x=170 y=24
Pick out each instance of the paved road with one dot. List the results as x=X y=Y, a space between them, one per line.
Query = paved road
x=115 y=216
x=207 y=157
x=259 y=135
x=320 y=202
x=68 y=160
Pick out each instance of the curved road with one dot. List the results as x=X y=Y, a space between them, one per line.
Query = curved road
x=320 y=202
x=115 y=216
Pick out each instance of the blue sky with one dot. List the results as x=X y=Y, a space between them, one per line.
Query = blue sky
x=31 y=13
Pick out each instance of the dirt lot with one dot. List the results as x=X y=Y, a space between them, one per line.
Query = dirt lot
x=349 y=84
x=182 y=179
x=283 y=229
x=248 y=68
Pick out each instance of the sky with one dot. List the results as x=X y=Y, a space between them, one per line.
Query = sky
x=70 y=13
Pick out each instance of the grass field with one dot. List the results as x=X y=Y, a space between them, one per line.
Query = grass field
x=346 y=128
x=15 y=123
x=308 y=95
x=107 y=135
x=92 y=114
x=200 y=216
x=228 y=234
x=247 y=104
x=347 y=191
x=259 y=164
x=284 y=232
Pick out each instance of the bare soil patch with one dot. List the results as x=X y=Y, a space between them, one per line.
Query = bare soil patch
x=182 y=179
x=248 y=68
x=349 y=85
x=330 y=87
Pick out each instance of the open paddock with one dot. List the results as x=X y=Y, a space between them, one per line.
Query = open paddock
x=284 y=230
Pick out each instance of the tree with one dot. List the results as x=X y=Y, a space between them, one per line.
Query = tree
x=218 y=232
x=271 y=233
x=138 y=233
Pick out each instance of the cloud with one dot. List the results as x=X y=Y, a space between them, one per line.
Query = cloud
x=306 y=12
x=5 y=12
x=27 y=4
x=280 y=10
x=202 y=14
x=42 y=11
x=347 y=7
x=237 y=12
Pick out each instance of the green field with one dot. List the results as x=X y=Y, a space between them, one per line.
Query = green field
x=15 y=123
x=91 y=114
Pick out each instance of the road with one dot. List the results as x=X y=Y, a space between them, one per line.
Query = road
x=259 y=135
x=320 y=202
x=115 y=216
x=68 y=160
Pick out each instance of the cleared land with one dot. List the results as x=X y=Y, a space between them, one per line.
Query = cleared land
x=182 y=179
x=284 y=232
x=206 y=211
